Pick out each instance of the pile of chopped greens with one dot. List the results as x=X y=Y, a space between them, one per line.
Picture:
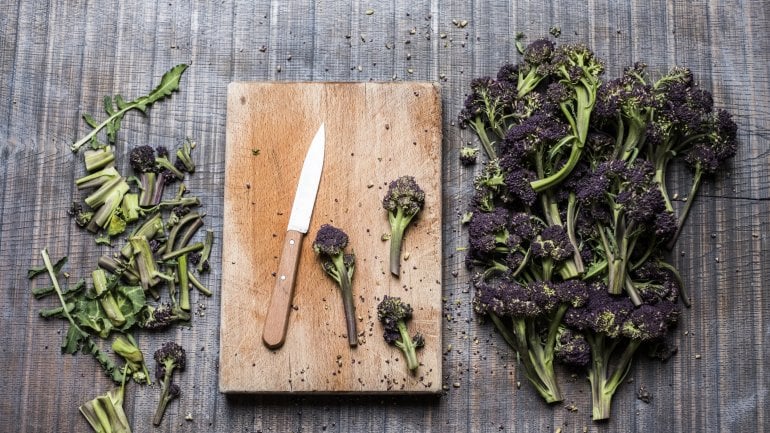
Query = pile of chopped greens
x=571 y=220
x=145 y=283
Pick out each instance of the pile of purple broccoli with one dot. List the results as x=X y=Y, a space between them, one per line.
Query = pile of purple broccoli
x=571 y=221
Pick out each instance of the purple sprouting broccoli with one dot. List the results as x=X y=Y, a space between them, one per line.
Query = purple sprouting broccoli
x=493 y=244
x=330 y=244
x=468 y=155
x=555 y=251
x=687 y=125
x=393 y=313
x=486 y=110
x=148 y=163
x=515 y=309
x=169 y=358
x=536 y=66
x=403 y=201
x=650 y=321
x=614 y=329
x=552 y=243
x=571 y=348
x=163 y=316
x=519 y=311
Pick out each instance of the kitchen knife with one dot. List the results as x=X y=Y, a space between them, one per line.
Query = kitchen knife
x=277 y=319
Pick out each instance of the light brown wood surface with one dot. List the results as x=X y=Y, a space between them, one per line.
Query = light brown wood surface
x=375 y=132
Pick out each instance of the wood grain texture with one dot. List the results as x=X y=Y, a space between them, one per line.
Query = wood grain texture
x=59 y=59
x=375 y=132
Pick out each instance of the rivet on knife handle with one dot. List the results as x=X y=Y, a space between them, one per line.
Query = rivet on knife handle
x=277 y=319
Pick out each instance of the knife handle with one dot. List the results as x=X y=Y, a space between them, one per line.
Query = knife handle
x=277 y=318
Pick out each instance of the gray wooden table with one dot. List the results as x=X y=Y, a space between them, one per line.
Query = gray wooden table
x=58 y=60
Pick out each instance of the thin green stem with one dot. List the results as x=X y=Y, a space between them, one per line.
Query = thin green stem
x=697 y=177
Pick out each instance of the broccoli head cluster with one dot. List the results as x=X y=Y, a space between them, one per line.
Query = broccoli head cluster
x=330 y=244
x=570 y=217
x=393 y=313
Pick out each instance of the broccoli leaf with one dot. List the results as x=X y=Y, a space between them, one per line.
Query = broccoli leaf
x=131 y=301
x=89 y=315
x=116 y=108
x=71 y=343
x=37 y=270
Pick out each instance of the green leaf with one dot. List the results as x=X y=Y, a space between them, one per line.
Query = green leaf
x=42 y=292
x=90 y=316
x=35 y=271
x=108 y=105
x=90 y=120
x=131 y=301
x=120 y=102
x=169 y=83
x=116 y=226
x=56 y=311
x=71 y=343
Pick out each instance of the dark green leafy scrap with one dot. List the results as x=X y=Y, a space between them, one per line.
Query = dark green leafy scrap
x=117 y=107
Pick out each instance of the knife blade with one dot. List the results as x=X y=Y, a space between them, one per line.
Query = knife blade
x=277 y=318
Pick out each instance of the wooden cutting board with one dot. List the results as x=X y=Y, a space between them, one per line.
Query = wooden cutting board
x=375 y=132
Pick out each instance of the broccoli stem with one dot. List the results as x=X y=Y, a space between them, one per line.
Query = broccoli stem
x=603 y=385
x=151 y=228
x=398 y=224
x=165 y=396
x=407 y=346
x=197 y=284
x=528 y=346
x=184 y=283
x=97 y=179
x=347 y=299
x=96 y=159
x=527 y=84
x=541 y=373
x=184 y=250
x=149 y=274
x=480 y=127
x=697 y=177
x=556 y=178
x=106 y=299
x=147 y=186
x=207 y=244
x=571 y=216
x=190 y=217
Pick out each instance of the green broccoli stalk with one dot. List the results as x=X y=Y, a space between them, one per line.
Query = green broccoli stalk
x=393 y=313
x=106 y=298
x=403 y=201
x=129 y=350
x=169 y=357
x=105 y=413
x=106 y=201
x=184 y=156
x=97 y=178
x=100 y=158
x=149 y=275
x=614 y=329
x=330 y=245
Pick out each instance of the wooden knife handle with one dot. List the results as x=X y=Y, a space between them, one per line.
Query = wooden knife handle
x=277 y=319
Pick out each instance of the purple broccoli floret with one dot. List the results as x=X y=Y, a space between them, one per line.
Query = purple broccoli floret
x=650 y=321
x=571 y=348
x=553 y=243
x=329 y=244
x=393 y=313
